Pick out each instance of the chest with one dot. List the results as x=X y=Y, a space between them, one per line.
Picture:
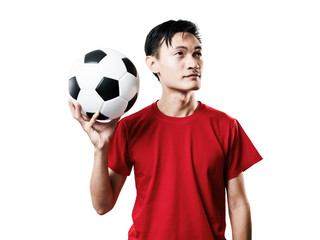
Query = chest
x=177 y=150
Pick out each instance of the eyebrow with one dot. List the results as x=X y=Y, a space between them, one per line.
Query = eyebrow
x=184 y=47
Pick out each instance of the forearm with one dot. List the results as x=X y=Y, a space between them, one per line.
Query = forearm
x=240 y=218
x=100 y=184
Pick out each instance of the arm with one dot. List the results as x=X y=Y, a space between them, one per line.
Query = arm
x=239 y=209
x=105 y=184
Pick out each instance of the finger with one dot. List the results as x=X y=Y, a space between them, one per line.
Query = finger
x=73 y=109
x=77 y=111
x=71 y=106
x=85 y=117
x=93 y=119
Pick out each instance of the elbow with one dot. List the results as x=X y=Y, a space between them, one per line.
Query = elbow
x=245 y=205
x=103 y=210
x=102 y=205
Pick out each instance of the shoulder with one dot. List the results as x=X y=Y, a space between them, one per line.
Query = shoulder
x=217 y=116
x=137 y=117
x=142 y=112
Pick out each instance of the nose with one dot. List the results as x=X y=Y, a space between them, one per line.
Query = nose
x=191 y=62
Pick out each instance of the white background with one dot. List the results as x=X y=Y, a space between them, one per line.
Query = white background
x=262 y=66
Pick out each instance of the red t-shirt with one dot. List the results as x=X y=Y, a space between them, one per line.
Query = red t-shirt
x=181 y=167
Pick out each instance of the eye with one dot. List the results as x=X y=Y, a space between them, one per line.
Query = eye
x=179 y=53
x=198 y=54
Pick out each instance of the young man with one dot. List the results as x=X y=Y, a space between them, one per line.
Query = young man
x=185 y=154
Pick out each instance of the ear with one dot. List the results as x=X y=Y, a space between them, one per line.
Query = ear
x=152 y=63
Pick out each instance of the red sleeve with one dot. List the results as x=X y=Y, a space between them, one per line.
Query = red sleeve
x=241 y=154
x=118 y=159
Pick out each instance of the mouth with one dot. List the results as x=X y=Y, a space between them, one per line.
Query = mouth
x=193 y=75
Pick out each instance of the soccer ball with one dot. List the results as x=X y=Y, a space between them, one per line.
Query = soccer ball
x=104 y=80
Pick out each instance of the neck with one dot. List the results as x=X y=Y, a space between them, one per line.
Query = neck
x=178 y=104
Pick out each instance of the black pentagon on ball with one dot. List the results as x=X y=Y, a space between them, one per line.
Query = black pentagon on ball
x=108 y=88
x=131 y=102
x=130 y=67
x=100 y=117
x=74 y=88
x=94 y=56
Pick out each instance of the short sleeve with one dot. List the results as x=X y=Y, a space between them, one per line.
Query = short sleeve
x=118 y=159
x=241 y=154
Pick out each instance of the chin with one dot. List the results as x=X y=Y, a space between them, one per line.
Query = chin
x=186 y=86
x=196 y=86
x=193 y=88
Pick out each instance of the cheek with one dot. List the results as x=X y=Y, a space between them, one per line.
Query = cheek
x=172 y=67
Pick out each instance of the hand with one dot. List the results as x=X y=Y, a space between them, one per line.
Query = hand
x=99 y=133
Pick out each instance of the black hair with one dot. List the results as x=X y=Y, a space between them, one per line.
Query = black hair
x=164 y=32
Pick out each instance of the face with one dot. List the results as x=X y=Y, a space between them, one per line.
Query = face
x=179 y=66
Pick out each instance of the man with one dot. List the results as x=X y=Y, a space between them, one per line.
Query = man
x=185 y=154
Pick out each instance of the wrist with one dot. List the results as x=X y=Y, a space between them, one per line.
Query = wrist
x=101 y=157
x=102 y=148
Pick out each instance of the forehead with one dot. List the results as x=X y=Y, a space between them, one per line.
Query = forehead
x=186 y=39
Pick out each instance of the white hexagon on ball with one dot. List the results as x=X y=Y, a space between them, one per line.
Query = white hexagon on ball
x=87 y=71
x=129 y=86
x=90 y=101
x=114 y=108
x=112 y=65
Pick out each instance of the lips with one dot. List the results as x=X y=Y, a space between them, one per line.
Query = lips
x=192 y=75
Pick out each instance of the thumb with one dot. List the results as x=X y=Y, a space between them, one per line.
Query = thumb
x=93 y=119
